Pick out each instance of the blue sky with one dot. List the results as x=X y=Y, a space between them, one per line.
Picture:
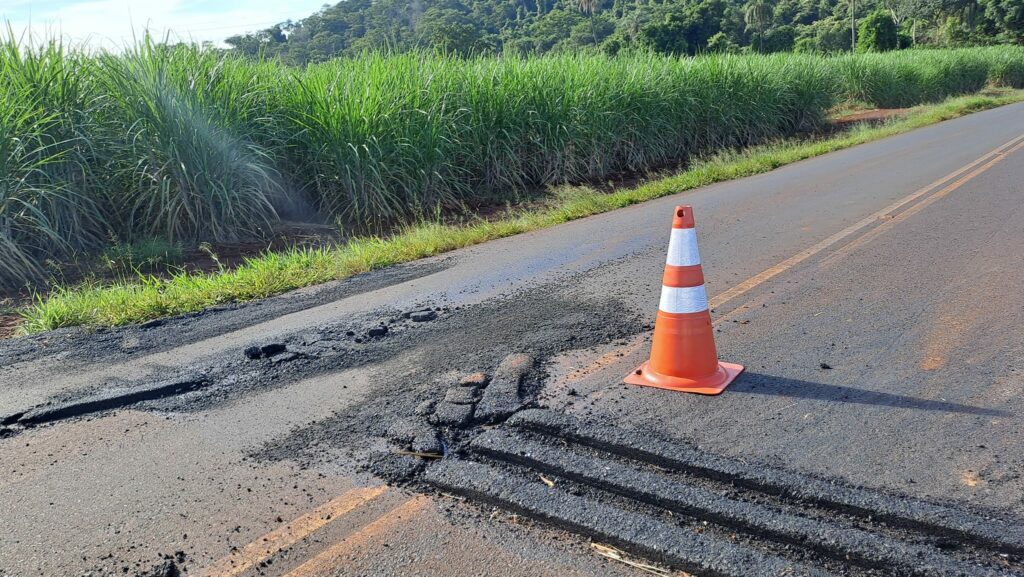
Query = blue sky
x=110 y=23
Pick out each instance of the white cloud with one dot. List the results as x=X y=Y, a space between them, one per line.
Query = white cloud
x=113 y=23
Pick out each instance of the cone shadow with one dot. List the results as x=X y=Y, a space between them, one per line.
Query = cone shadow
x=761 y=384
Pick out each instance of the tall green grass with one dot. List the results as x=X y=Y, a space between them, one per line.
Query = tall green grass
x=48 y=199
x=189 y=145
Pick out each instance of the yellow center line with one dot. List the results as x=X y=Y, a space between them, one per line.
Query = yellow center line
x=760 y=278
x=999 y=155
x=873 y=233
x=290 y=533
x=331 y=558
x=610 y=358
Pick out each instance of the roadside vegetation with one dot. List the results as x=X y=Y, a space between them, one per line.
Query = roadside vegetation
x=180 y=145
x=129 y=160
x=143 y=297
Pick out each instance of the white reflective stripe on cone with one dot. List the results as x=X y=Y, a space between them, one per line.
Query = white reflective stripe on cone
x=691 y=299
x=682 y=247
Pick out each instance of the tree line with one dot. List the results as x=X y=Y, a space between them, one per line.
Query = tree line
x=678 y=27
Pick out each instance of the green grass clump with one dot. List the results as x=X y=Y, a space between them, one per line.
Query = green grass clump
x=1005 y=67
x=277 y=272
x=177 y=137
x=192 y=145
x=142 y=255
x=48 y=209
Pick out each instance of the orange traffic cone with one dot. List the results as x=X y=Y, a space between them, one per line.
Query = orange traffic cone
x=683 y=356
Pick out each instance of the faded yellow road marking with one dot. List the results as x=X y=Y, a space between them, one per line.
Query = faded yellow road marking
x=873 y=233
x=933 y=362
x=889 y=221
x=329 y=560
x=970 y=478
x=884 y=214
x=290 y=533
x=609 y=358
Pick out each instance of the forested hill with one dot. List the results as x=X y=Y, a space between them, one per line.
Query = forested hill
x=666 y=26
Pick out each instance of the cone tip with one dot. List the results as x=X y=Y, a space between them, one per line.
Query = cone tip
x=683 y=217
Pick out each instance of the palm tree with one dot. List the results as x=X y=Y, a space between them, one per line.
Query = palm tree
x=853 y=25
x=757 y=16
x=589 y=7
x=632 y=23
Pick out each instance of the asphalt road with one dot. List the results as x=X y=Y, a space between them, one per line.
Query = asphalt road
x=874 y=295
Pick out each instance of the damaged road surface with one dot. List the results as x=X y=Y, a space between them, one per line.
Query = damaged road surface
x=465 y=415
x=626 y=488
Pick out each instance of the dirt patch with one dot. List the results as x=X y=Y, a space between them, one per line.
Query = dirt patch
x=874 y=116
x=9 y=325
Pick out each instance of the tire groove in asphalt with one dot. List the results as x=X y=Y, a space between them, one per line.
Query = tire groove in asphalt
x=845 y=544
x=637 y=533
x=939 y=520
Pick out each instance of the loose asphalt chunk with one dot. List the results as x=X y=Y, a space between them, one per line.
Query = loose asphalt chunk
x=263 y=351
x=422 y=316
x=842 y=543
x=1005 y=537
x=425 y=408
x=404 y=430
x=460 y=395
x=166 y=568
x=475 y=380
x=502 y=397
x=451 y=414
x=415 y=434
x=637 y=533
x=427 y=442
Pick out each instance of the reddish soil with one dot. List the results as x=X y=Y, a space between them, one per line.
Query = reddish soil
x=8 y=324
x=873 y=116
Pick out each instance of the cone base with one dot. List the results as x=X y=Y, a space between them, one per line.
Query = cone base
x=710 y=385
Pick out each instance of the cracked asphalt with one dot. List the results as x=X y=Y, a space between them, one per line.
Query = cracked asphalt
x=874 y=295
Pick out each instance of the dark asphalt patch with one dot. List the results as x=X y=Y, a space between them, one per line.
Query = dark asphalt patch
x=634 y=532
x=541 y=321
x=113 y=399
x=459 y=349
x=657 y=489
x=538 y=460
x=1002 y=535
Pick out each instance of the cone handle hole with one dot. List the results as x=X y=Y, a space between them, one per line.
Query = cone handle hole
x=680 y=213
